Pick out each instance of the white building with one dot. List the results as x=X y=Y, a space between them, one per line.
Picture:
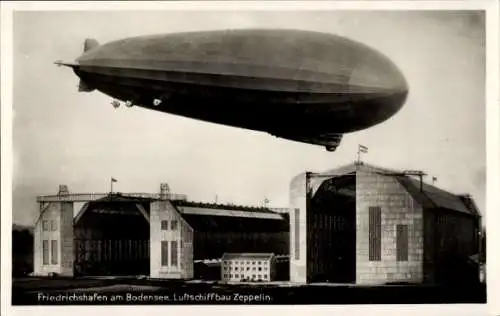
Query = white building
x=248 y=267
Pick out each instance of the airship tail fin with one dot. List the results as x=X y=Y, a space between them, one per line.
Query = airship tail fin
x=89 y=44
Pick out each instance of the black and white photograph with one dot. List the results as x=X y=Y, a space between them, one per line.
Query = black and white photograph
x=203 y=154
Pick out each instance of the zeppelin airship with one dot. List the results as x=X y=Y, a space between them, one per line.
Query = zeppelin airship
x=302 y=86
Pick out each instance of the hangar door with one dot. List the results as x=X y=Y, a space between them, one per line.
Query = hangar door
x=332 y=231
x=112 y=238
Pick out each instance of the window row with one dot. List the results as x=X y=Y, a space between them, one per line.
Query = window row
x=174 y=251
x=254 y=276
x=375 y=237
x=49 y=249
x=49 y=225
x=246 y=262
x=173 y=225
x=245 y=268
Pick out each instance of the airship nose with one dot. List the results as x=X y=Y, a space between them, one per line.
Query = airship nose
x=377 y=73
x=382 y=85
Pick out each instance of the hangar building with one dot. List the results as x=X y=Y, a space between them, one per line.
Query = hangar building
x=355 y=224
x=160 y=235
x=369 y=225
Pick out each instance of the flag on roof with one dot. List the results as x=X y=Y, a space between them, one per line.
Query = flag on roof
x=114 y=180
x=363 y=149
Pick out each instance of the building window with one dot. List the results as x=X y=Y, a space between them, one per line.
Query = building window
x=53 y=251
x=253 y=269
x=375 y=233
x=402 y=242
x=260 y=269
x=173 y=225
x=297 y=234
x=45 y=225
x=164 y=225
x=164 y=253
x=173 y=253
x=45 y=252
x=248 y=268
x=53 y=225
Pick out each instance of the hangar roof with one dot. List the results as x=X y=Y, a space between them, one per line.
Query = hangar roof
x=222 y=207
x=224 y=218
x=429 y=197
x=433 y=197
x=210 y=217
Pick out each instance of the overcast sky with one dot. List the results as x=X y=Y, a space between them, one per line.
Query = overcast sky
x=62 y=136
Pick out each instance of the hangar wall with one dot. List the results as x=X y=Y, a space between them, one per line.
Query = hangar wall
x=53 y=234
x=451 y=238
x=67 y=238
x=164 y=238
x=396 y=207
x=298 y=230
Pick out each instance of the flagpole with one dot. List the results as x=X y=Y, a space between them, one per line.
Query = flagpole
x=361 y=149
x=111 y=184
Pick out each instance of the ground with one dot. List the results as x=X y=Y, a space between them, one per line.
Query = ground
x=127 y=290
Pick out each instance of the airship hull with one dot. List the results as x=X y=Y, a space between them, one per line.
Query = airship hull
x=304 y=86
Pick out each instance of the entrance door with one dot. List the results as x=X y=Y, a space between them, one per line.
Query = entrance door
x=112 y=239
